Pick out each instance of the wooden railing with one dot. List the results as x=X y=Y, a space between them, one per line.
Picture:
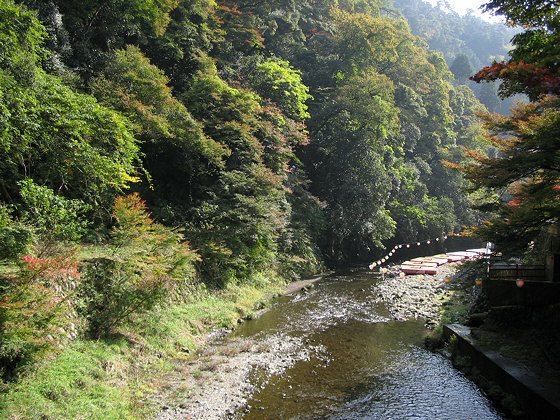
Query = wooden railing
x=517 y=271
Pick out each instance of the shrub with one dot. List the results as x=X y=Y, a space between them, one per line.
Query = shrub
x=147 y=262
x=15 y=237
x=34 y=315
x=55 y=217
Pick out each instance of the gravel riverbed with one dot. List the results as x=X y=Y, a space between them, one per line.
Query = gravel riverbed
x=415 y=296
x=215 y=383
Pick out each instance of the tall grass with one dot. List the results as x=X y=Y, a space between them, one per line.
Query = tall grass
x=118 y=377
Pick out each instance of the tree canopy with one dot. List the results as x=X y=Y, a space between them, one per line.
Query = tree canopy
x=520 y=184
x=276 y=134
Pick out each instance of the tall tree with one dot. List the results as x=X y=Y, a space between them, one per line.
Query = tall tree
x=62 y=139
x=177 y=155
x=97 y=27
x=527 y=166
x=462 y=68
x=349 y=163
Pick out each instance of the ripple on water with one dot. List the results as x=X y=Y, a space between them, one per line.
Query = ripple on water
x=330 y=303
x=420 y=385
x=360 y=364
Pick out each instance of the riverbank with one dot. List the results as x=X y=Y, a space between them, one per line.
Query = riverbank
x=426 y=296
x=120 y=376
x=214 y=382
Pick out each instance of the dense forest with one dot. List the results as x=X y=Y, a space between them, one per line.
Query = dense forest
x=468 y=43
x=148 y=146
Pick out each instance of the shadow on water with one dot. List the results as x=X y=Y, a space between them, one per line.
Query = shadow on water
x=359 y=363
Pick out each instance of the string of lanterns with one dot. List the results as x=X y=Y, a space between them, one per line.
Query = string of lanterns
x=381 y=261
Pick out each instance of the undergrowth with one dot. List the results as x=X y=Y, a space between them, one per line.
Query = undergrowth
x=117 y=376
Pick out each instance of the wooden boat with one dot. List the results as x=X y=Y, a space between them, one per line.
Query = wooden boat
x=432 y=260
x=479 y=251
x=449 y=258
x=418 y=269
x=454 y=258
x=420 y=262
x=464 y=254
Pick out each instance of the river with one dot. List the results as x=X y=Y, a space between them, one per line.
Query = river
x=349 y=348
x=358 y=362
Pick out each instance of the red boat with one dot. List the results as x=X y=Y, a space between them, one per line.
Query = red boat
x=418 y=269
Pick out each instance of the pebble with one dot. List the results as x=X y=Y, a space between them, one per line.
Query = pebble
x=412 y=298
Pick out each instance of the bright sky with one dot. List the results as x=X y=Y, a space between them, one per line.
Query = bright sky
x=461 y=7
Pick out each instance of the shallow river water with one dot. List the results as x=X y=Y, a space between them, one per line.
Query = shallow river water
x=358 y=363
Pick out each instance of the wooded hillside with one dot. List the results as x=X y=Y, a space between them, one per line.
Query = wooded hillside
x=202 y=142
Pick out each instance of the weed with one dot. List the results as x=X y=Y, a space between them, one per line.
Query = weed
x=117 y=376
x=434 y=338
x=56 y=387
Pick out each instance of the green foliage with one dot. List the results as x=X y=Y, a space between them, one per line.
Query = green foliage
x=200 y=107
x=526 y=166
x=523 y=12
x=237 y=230
x=15 y=237
x=21 y=35
x=176 y=153
x=237 y=226
x=65 y=141
x=462 y=68
x=97 y=27
x=220 y=122
x=148 y=262
x=52 y=216
x=278 y=81
x=449 y=33
x=35 y=319
x=191 y=33
x=489 y=96
x=480 y=41
x=365 y=41
x=349 y=164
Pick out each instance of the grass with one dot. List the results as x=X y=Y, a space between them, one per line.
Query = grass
x=455 y=302
x=87 y=380
x=118 y=377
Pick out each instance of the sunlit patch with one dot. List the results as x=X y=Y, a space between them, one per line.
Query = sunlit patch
x=519 y=282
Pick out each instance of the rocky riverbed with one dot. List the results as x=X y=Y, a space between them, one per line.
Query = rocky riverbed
x=417 y=296
x=215 y=383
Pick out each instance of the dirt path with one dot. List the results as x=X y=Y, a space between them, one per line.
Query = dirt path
x=216 y=382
